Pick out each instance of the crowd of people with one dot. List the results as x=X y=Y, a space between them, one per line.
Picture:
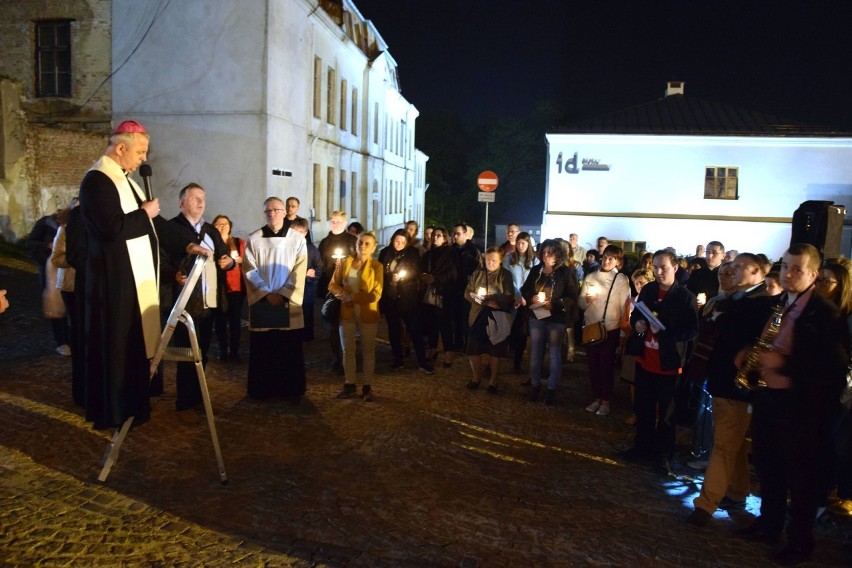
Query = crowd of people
x=769 y=342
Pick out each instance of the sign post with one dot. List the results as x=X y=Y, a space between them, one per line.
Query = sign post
x=487 y=183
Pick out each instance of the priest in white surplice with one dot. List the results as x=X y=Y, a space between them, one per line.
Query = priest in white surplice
x=274 y=267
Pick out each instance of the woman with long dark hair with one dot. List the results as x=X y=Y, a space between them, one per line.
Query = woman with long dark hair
x=400 y=301
x=519 y=263
x=438 y=275
x=551 y=292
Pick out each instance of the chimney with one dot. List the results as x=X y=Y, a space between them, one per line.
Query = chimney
x=674 y=88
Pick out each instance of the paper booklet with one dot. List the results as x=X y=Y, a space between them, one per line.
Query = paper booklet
x=648 y=314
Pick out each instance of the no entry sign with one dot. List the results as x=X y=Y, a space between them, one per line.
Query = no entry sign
x=487 y=181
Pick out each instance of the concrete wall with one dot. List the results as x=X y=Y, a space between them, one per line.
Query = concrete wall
x=654 y=188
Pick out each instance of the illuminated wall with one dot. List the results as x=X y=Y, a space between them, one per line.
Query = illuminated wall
x=652 y=188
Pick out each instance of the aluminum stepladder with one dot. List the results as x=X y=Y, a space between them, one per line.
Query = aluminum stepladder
x=165 y=352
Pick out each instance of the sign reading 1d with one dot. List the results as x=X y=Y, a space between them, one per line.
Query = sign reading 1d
x=487 y=182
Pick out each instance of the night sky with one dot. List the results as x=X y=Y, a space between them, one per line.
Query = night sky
x=492 y=59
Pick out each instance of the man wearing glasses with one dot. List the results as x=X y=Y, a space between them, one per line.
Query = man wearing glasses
x=274 y=267
x=512 y=232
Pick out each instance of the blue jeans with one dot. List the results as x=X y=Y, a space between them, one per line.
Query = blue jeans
x=541 y=332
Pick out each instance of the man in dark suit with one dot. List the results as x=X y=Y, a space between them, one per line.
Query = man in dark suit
x=205 y=296
x=805 y=373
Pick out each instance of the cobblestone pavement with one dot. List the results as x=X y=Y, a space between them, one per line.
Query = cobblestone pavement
x=428 y=474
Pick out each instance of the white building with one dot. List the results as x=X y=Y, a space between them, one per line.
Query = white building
x=681 y=172
x=262 y=98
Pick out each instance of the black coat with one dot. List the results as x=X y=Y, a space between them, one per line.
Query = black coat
x=677 y=311
x=564 y=294
x=738 y=327
x=407 y=293
x=442 y=263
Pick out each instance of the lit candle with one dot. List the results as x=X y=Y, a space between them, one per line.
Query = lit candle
x=591 y=290
x=401 y=274
x=481 y=292
x=338 y=253
x=540 y=296
x=701 y=299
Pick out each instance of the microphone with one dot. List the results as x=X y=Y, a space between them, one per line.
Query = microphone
x=145 y=172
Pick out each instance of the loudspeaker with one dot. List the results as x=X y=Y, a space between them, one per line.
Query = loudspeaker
x=819 y=223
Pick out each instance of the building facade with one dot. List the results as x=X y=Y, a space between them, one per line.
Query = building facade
x=250 y=99
x=681 y=172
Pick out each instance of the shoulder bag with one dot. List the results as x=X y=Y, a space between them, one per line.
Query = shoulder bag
x=595 y=333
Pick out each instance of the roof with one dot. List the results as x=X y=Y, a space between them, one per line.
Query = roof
x=678 y=114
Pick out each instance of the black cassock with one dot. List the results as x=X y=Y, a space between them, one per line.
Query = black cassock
x=117 y=371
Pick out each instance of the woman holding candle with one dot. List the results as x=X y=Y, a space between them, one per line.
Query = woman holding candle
x=229 y=320
x=357 y=282
x=551 y=292
x=400 y=301
x=605 y=295
x=439 y=270
x=519 y=262
x=491 y=293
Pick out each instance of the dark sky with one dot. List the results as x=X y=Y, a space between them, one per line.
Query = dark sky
x=489 y=59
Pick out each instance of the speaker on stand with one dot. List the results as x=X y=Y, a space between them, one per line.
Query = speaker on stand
x=819 y=223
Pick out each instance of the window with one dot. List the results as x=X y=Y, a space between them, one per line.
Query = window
x=317 y=192
x=53 y=58
x=376 y=124
x=354 y=128
x=721 y=182
x=317 y=87
x=331 y=101
x=343 y=190
x=344 y=90
x=353 y=191
x=329 y=187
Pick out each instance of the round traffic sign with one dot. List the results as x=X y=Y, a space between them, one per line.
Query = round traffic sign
x=487 y=181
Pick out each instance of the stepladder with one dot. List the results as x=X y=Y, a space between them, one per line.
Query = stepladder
x=167 y=352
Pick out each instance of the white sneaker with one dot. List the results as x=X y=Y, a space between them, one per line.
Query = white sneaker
x=603 y=410
x=64 y=350
x=593 y=407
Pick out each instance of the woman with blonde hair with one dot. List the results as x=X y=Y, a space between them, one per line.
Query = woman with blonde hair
x=357 y=282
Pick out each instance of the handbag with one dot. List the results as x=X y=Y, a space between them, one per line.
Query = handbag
x=330 y=308
x=595 y=333
x=433 y=297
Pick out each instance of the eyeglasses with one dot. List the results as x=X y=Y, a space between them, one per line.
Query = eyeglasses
x=270 y=211
x=827 y=282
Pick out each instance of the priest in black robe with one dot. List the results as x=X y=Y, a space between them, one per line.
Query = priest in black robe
x=122 y=314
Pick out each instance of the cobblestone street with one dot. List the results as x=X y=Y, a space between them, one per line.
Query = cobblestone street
x=428 y=474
